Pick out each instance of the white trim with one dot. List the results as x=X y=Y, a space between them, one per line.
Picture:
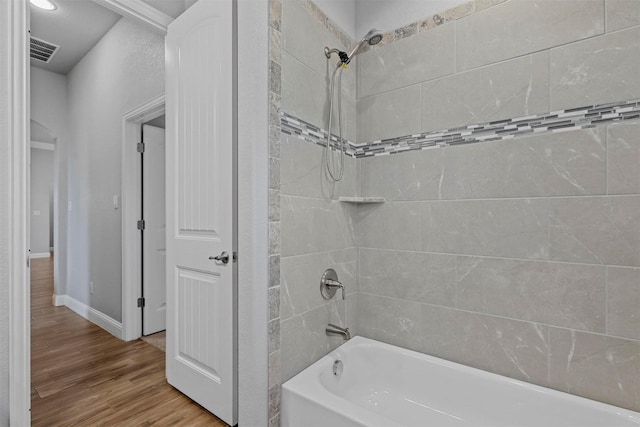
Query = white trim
x=40 y=255
x=252 y=31
x=15 y=20
x=131 y=196
x=92 y=315
x=43 y=145
x=140 y=12
x=58 y=300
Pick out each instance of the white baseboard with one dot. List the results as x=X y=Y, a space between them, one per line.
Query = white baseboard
x=91 y=314
x=58 y=300
x=41 y=255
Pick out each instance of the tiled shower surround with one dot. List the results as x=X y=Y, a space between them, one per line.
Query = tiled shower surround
x=519 y=256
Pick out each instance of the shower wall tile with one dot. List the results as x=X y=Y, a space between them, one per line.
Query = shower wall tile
x=622 y=14
x=388 y=226
x=519 y=27
x=596 y=230
x=596 y=71
x=314 y=225
x=389 y=114
x=595 y=366
x=301 y=279
x=553 y=164
x=305 y=95
x=420 y=58
x=515 y=228
x=303 y=171
x=413 y=276
x=503 y=346
x=514 y=88
x=305 y=37
x=558 y=294
x=623 y=158
x=623 y=302
x=390 y=320
x=304 y=340
x=416 y=175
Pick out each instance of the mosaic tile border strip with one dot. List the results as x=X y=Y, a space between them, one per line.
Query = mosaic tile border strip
x=554 y=122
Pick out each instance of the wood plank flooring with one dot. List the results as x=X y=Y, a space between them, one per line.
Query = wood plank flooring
x=83 y=376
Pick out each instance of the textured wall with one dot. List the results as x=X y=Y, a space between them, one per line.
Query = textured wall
x=519 y=256
x=124 y=70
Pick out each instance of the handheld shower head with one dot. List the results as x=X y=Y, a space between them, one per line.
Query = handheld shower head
x=373 y=37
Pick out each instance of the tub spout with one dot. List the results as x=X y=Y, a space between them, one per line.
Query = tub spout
x=334 y=330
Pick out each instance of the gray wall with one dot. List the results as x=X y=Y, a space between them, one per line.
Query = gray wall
x=41 y=200
x=520 y=257
x=124 y=70
x=5 y=218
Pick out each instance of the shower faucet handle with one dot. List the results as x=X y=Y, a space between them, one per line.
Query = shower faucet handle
x=329 y=284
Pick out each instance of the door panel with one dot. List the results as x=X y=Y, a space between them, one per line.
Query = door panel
x=154 y=235
x=201 y=301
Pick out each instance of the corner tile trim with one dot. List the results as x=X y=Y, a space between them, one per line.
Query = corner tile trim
x=554 y=122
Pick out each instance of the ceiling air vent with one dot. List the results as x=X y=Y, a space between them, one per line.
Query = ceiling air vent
x=42 y=50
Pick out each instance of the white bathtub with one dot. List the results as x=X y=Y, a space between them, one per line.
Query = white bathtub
x=383 y=385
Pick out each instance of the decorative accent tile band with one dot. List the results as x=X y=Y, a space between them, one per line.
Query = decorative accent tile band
x=554 y=122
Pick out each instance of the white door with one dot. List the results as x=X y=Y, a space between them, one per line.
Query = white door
x=154 y=248
x=201 y=300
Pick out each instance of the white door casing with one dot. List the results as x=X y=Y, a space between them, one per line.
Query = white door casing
x=201 y=299
x=154 y=235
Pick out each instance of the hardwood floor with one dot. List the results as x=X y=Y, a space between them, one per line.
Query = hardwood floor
x=83 y=376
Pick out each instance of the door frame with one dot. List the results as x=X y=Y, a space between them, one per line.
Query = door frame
x=253 y=224
x=132 y=122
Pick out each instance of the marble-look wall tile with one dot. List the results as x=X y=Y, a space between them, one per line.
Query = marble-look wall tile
x=623 y=158
x=390 y=320
x=314 y=225
x=502 y=346
x=389 y=114
x=407 y=62
x=595 y=366
x=305 y=94
x=623 y=302
x=515 y=228
x=305 y=37
x=519 y=27
x=274 y=302
x=274 y=369
x=303 y=171
x=582 y=72
x=568 y=295
x=514 y=88
x=304 y=340
x=622 y=14
x=274 y=205
x=388 y=226
x=414 y=175
x=600 y=230
x=301 y=279
x=554 y=164
x=413 y=276
x=274 y=335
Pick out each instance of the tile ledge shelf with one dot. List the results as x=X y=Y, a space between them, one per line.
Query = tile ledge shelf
x=513 y=128
x=362 y=200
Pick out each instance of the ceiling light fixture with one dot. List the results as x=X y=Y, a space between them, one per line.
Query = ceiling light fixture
x=44 y=4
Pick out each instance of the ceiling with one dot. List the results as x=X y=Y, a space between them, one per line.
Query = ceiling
x=77 y=25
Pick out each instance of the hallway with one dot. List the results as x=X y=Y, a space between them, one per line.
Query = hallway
x=83 y=376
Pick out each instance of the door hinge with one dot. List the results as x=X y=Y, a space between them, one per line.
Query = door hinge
x=235 y=257
x=140 y=147
x=141 y=224
x=140 y=302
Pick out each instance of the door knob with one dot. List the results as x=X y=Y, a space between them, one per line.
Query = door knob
x=223 y=257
